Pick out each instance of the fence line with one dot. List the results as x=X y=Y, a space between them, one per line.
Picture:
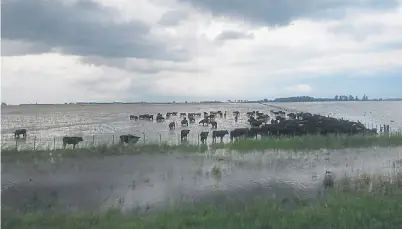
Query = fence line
x=109 y=140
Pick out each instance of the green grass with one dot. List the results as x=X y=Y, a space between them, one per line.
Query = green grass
x=297 y=143
x=351 y=205
x=316 y=142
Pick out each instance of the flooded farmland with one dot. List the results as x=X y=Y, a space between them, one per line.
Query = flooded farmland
x=148 y=182
x=97 y=124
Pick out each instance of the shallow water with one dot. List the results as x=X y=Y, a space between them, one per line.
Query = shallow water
x=150 y=182
x=98 y=123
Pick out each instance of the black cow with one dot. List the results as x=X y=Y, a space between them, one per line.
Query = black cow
x=192 y=119
x=204 y=136
x=219 y=133
x=172 y=125
x=239 y=132
x=183 y=134
x=160 y=118
x=71 y=141
x=214 y=124
x=204 y=121
x=128 y=138
x=133 y=117
x=17 y=133
x=184 y=122
x=328 y=181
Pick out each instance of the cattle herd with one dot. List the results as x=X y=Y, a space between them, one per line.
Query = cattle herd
x=275 y=124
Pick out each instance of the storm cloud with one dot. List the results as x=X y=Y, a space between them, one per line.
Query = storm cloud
x=282 y=12
x=185 y=50
x=82 y=28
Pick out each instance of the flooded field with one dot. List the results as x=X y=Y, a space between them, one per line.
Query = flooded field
x=47 y=124
x=144 y=183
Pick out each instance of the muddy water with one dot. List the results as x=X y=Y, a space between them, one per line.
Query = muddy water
x=148 y=182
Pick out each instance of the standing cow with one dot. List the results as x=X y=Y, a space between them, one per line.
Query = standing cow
x=71 y=141
x=17 y=133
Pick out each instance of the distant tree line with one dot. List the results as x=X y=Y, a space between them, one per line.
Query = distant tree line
x=350 y=98
x=336 y=98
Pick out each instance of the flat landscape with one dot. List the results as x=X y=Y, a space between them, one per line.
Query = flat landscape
x=152 y=183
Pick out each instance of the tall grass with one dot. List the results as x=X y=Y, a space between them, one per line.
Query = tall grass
x=345 y=207
x=296 y=143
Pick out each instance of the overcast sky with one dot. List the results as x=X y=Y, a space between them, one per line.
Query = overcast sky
x=56 y=51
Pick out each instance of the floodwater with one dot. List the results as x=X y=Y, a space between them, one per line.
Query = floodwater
x=47 y=124
x=144 y=183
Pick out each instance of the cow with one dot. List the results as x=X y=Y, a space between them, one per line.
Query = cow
x=204 y=121
x=204 y=136
x=172 y=125
x=192 y=119
x=214 y=124
x=328 y=181
x=238 y=132
x=133 y=117
x=128 y=138
x=160 y=118
x=17 y=133
x=71 y=141
x=183 y=134
x=219 y=133
x=184 y=122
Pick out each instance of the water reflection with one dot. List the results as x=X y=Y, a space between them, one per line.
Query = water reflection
x=150 y=182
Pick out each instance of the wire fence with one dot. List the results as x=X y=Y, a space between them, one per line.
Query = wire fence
x=36 y=143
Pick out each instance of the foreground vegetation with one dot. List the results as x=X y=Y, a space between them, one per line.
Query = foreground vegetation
x=296 y=143
x=366 y=202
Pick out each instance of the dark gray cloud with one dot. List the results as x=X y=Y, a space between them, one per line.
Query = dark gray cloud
x=173 y=18
x=19 y=48
x=82 y=28
x=142 y=66
x=233 y=35
x=281 y=12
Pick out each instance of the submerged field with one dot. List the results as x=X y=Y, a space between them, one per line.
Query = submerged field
x=215 y=190
x=365 y=202
x=103 y=124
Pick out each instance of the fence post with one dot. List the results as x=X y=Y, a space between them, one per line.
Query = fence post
x=16 y=144
x=198 y=138
x=54 y=143
x=34 y=143
x=143 y=134
x=113 y=140
x=93 y=140
x=160 y=139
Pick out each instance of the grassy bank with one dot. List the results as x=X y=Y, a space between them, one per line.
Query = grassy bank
x=366 y=202
x=297 y=143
